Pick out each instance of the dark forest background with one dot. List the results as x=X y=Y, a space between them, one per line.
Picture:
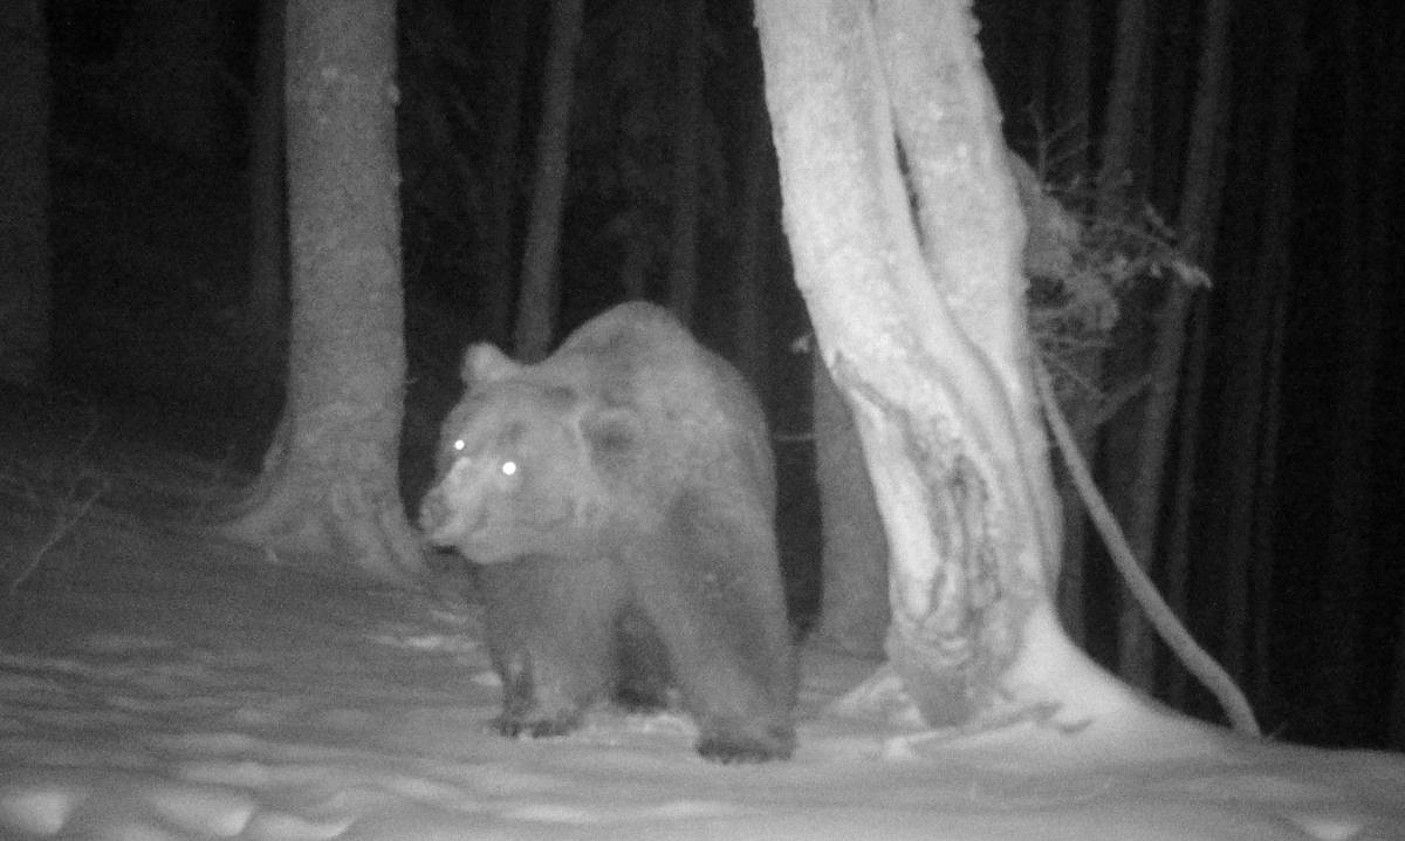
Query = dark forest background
x=1280 y=541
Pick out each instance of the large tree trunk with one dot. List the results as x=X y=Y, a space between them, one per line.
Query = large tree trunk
x=925 y=337
x=329 y=482
x=25 y=259
x=537 y=301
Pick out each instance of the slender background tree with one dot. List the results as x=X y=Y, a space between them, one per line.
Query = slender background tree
x=539 y=297
x=25 y=258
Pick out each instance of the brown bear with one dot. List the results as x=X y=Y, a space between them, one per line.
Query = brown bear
x=618 y=503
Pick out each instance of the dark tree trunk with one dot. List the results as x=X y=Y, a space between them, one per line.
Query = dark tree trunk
x=1247 y=450
x=499 y=277
x=25 y=257
x=265 y=304
x=1177 y=552
x=854 y=551
x=1384 y=257
x=329 y=484
x=687 y=192
x=1074 y=99
x=171 y=86
x=1343 y=615
x=1075 y=81
x=538 y=299
x=1124 y=92
x=1115 y=176
x=753 y=237
x=1199 y=220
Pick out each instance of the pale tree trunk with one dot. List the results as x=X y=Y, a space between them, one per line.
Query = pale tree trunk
x=329 y=483
x=537 y=300
x=687 y=192
x=854 y=551
x=25 y=259
x=927 y=342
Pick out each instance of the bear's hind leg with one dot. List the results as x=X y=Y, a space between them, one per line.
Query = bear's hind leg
x=713 y=592
x=551 y=630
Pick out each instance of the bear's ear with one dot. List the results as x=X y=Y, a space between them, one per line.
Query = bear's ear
x=611 y=433
x=484 y=363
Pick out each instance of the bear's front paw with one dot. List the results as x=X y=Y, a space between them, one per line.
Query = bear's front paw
x=536 y=726
x=737 y=748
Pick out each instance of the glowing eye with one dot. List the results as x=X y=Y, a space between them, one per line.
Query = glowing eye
x=459 y=445
x=509 y=468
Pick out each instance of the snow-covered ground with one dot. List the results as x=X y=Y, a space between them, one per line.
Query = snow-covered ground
x=156 y=686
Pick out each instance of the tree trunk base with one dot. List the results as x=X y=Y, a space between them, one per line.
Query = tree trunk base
x=340 y=518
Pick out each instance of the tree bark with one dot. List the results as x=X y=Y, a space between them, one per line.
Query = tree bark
x=1072 y=121
x=171 y=87
x=499 y=278
x=926 y=339
x=265 y=303
x=1115 y=176
x=1075 y=81
x=854 y=551
x=1178 y=538
x=1359 y=330
x=1247 y=452
x=25 y=257
x=1384 y=250
x=1199 y=220
x=1123 y=95
x=539 y=292
x=329 y=483
x=753 y=232
x=687 y=191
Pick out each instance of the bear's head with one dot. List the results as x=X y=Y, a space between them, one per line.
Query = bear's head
x=518 y=465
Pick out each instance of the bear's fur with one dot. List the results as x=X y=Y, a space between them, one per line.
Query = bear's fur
x=618 y=500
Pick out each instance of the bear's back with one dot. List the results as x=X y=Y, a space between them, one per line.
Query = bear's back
x=705 y=417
